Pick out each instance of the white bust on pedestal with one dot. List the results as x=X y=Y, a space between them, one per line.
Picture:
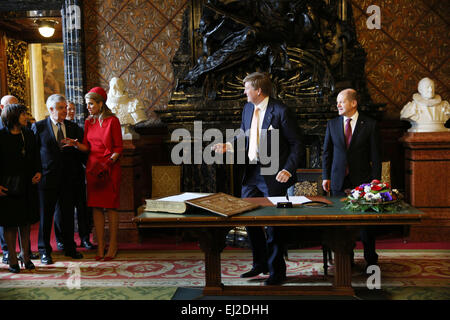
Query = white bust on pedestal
x=427 y=112
x=130 y=111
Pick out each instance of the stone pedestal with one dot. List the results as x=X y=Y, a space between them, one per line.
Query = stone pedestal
x=136 y=163
x=392 y=149
x=131 y=186
x=427 y=183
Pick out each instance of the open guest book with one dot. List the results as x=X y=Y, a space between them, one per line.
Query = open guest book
x=223 y=204
x=218 y=203
x=172 y=204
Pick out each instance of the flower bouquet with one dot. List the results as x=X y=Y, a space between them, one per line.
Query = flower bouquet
x=377 y=196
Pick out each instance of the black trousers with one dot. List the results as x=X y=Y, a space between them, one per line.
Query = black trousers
x=83 y=213
x=267 y=247
x=367 y=234
x=49 y=199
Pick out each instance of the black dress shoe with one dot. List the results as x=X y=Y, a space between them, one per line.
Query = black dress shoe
x=28 y=265
x=273 y=281
x=5 y=258
x=14 y=268
x=87 y=244
x=253 y=273
x=60 y=246
x=46 y=259
x=74 y=255
x=34 y=256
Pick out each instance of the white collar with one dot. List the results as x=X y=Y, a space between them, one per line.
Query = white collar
x=354 y=117
x=262 y=106
x=427 y=102
x=56 y=122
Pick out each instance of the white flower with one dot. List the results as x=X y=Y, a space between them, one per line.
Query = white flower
x=367 y=189
x=377 y=196
x=369 y=196
x=356 y=194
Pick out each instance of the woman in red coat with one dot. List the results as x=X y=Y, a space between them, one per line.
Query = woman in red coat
x=103 y=141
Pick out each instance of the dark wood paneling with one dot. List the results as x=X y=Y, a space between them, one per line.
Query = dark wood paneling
x=427 y=183
x=24 y=5
x=3 y=64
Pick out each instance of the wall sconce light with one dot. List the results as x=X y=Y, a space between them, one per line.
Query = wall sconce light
x=46 y=27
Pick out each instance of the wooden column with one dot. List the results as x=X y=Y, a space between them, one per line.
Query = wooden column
x=427 y=183
x=342 y=241
x=212 y=243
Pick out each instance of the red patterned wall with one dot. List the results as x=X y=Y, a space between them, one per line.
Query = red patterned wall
x=413 y=43
x=135 y=39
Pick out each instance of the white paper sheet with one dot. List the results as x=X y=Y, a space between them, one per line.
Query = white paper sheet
x=294 y=200
x=184 y=196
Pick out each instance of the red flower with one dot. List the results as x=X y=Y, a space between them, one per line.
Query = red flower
x=376 y=188
x=375 y=181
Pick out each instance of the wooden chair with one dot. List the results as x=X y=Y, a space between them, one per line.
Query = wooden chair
x=166 y=181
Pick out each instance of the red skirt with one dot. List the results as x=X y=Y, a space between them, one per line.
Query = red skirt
x=103 y=192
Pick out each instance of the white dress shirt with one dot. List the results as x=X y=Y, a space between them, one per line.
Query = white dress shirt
x=262 y=111
x=353 y=122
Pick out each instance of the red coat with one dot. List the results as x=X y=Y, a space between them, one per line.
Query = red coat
x=103 y=141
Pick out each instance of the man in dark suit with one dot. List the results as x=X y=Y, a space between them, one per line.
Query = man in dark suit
x=60 y=168
x=265 y=119
x=83 y=213
x=351 y=156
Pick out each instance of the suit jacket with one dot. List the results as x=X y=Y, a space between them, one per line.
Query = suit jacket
x=58 y=164
x=277 y=116
x=363 y=156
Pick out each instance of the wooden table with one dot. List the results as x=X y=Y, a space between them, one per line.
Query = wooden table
x=340 y=234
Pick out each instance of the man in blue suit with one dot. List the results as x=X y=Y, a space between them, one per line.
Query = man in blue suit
x=60 y=168
x=351 y=156
x=269 y=128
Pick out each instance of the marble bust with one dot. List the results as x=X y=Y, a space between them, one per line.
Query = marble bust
x=130 y=111
x=427 y=112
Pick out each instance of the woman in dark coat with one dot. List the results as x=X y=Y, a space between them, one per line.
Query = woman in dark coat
x=20 y=171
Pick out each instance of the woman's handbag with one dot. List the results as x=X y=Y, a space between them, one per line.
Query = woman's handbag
x=15 y=184
x=100 y=169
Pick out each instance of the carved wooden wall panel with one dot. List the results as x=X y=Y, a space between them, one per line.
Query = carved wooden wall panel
x=16 y=53
x=134 y=40
x=413 y=42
